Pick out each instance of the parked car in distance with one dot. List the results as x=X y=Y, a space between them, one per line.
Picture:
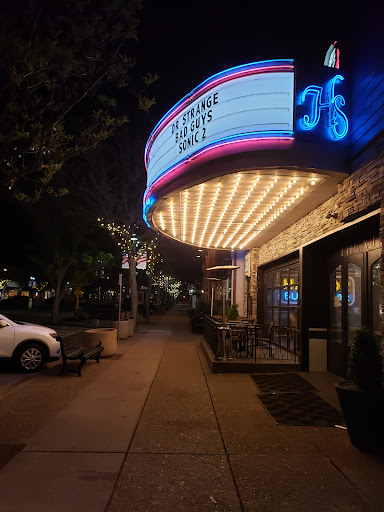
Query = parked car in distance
x=29 y=346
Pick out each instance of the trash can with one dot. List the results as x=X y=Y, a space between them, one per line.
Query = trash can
x=126 y=328
x=108 y=338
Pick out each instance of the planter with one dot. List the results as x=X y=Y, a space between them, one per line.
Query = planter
x=126 y=328
x=364 y=416
x=108 y=338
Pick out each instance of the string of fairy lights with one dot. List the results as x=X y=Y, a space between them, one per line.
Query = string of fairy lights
x=129 y=241
x=168 y=283
x=4 y=282
x=231 y=211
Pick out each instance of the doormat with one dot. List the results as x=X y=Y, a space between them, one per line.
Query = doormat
x=282 y=383
x=306 y=409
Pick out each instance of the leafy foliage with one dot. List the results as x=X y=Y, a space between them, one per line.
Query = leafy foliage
x=63 y=67
x=365 y=363
x=233 y=312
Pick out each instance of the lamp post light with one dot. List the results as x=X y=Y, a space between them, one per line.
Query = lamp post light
x=225 y=339
x=222 y=273
x=213 y=281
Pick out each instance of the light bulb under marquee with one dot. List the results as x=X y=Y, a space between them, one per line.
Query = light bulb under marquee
x=230 y=212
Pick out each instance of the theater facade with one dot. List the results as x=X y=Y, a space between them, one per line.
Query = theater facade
x=281 y=165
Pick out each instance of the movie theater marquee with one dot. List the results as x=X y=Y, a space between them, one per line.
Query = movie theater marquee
x=260 y=103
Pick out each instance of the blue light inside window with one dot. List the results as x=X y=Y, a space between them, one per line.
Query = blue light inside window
x=349 y=297
x=291 y=296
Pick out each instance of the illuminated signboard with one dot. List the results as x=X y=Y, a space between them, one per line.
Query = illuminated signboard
x=247 y=102
x=290 y=296
x=324 y=100
x=351 y=295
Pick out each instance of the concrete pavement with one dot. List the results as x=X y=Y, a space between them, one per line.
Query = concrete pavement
x=153 y=430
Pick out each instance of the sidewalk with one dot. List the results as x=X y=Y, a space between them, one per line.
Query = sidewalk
x=153 y=430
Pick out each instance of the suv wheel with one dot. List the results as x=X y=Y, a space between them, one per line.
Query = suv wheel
x=30 y=357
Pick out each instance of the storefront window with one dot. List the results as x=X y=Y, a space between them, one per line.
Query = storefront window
x=376 y=305
x=284 y=277
x=336 y=300
x=294 y=274
x=284 y=317
x=354 y=300
x=293 y=295
x=282 y=295
x=276 y=296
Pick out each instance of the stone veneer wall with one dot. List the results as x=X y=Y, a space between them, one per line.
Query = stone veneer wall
x=359 y=193
x=254 y=263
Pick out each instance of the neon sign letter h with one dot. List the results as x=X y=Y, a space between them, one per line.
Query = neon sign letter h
x=337 y=121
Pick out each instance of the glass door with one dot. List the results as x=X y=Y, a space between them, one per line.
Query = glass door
x=282 y=296
x=375 y=308
x=336 y=300
x=346 y=298
x=354 y=298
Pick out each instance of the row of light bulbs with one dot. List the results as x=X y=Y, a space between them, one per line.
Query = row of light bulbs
x=227 y=237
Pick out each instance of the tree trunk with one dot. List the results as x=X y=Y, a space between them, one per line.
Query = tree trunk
x=133 y=286
x=58 y=296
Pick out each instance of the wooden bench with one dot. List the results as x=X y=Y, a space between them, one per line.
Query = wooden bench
x=75 y=352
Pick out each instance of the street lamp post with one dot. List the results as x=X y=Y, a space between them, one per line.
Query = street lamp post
x=213 y=281
x=222 y=274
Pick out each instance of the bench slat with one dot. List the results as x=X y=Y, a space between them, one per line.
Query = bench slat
x=71 y=352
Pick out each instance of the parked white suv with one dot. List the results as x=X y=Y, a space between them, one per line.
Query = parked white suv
x=28 y=345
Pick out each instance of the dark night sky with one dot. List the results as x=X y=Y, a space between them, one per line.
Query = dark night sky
x=185 y=42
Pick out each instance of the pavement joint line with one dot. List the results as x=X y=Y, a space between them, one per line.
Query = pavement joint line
x=197 y=454
x=226 y=453
x=363 y=497
x=70 y=451
x=133 y=435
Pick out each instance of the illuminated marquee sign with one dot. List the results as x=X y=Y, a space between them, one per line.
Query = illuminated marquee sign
x=320 y=100
x=243 y=103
